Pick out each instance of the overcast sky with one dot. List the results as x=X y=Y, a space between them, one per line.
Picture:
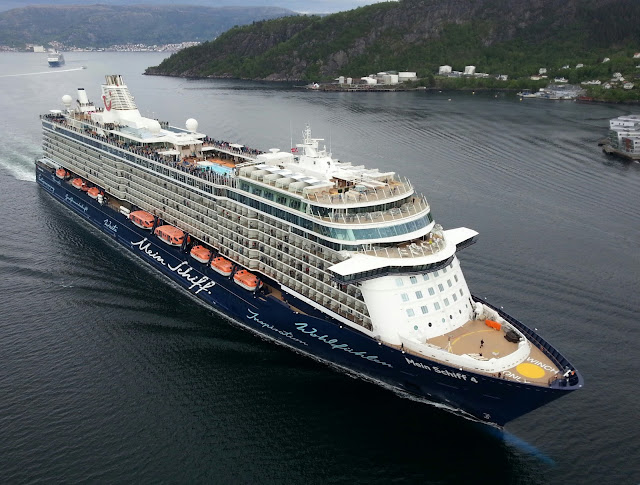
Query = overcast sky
x=303 y=6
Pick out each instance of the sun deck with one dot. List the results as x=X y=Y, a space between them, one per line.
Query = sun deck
x=482 y=342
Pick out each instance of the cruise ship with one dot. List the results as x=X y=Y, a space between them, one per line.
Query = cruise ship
x=337 y=261
x=55 y=59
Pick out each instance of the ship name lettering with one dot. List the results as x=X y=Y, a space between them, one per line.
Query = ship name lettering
x=438 y=370
x=110 y=225
x=313 y=332
x=546 y=367
x=254 y=316
x=200 y=282
x=73 y=201
x=45 y=184
x=145 y=249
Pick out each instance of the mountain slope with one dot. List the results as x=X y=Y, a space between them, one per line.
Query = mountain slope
x=500 y=36
x=102 y=25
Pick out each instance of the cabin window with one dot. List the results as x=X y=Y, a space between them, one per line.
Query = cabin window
x=399 y=282
x=435 y=273
x=424 y=309
x=436 y=305
x=413 y=280
x=449 y=283
x=440 y=287
x=446 y=302
x=432 y=291
x=455 y=297
x=404 y=297
x=418 y=294
x=425 y=276
x=455 y=277
x=410 y=312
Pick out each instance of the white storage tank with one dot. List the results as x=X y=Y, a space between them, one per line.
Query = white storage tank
x=340 y=79
x=349 y=80
x=407 y=76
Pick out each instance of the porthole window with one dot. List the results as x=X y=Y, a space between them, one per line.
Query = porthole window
x=429 y=323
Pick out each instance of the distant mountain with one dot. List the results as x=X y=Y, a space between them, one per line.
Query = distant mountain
x=514 y=37
x=303 y=6
x=105 y=25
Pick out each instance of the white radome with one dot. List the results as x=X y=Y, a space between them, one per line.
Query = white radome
x=191 y=124
x=66 y=100
x=153 y=126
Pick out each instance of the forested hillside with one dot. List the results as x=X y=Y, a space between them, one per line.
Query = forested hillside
x=102 y=25
x=513 y=37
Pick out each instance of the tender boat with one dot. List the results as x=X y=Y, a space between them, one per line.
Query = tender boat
x=200 y=254
x=142 y=219
x=170 y=235
x=93 y=192
x=78 y=183
x=222 y=266
x=247 y=280
x=62 y=174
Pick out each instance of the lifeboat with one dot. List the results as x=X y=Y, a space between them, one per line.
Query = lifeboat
x=200 y=254
x=222 y=266
x=93 y=192
x=170 y=235
x=142 y=219
x=78 y=183
x=61 y=173
x=247 y=280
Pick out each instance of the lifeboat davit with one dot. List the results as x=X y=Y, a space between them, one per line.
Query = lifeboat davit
x=93 y=192
x=142 y=219
x=222 y=266
x=201 y=254
x=170 y=235
x=78 y=183
x=61 y=173
x=247 y=280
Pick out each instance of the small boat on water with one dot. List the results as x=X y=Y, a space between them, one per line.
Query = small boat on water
x=200 y=254
x=78 y=183
x=170 y=235
x=222 y=266
x=93 y=192
x=61 y=173
x=142 y=219
x=247 y=280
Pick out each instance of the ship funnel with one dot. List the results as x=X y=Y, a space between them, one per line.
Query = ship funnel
x=82 y=96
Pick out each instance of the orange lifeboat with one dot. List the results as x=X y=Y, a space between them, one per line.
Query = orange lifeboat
x=201 y=254
x=93 y=192
x=142 y=219
x=492 y=324
x=61 y=173
x=247 y=280
x=222 y=266
x=170 y=235
x=78 y=183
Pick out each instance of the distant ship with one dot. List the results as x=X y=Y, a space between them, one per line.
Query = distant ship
x=339 y=262
x=55 y=59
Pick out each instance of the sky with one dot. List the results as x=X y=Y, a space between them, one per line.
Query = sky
x=302 y=6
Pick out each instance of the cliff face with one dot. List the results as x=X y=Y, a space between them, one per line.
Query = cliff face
x=391 y=35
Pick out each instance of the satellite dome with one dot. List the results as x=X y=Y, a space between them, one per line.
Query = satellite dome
x=66 y=99
x=191 y=124
x=153 y=126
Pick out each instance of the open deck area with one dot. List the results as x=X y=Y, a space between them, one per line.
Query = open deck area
x=482 y=342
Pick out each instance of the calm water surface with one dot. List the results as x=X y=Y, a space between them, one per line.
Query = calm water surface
x=110 y=374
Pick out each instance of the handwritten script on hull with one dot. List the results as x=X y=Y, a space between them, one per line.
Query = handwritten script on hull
x=198 y=283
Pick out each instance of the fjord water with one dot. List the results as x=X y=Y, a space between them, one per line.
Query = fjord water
x=110 y=373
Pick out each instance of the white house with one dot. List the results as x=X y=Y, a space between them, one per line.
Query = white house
x=578 y=66
x=542 y=70
x=606 y=59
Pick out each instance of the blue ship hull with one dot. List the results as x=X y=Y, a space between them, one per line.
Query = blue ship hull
x=476 y=396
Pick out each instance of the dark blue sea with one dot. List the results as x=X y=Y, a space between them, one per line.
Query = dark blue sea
x=111 y=374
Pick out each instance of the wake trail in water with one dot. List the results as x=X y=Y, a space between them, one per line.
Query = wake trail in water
x=42 y=72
